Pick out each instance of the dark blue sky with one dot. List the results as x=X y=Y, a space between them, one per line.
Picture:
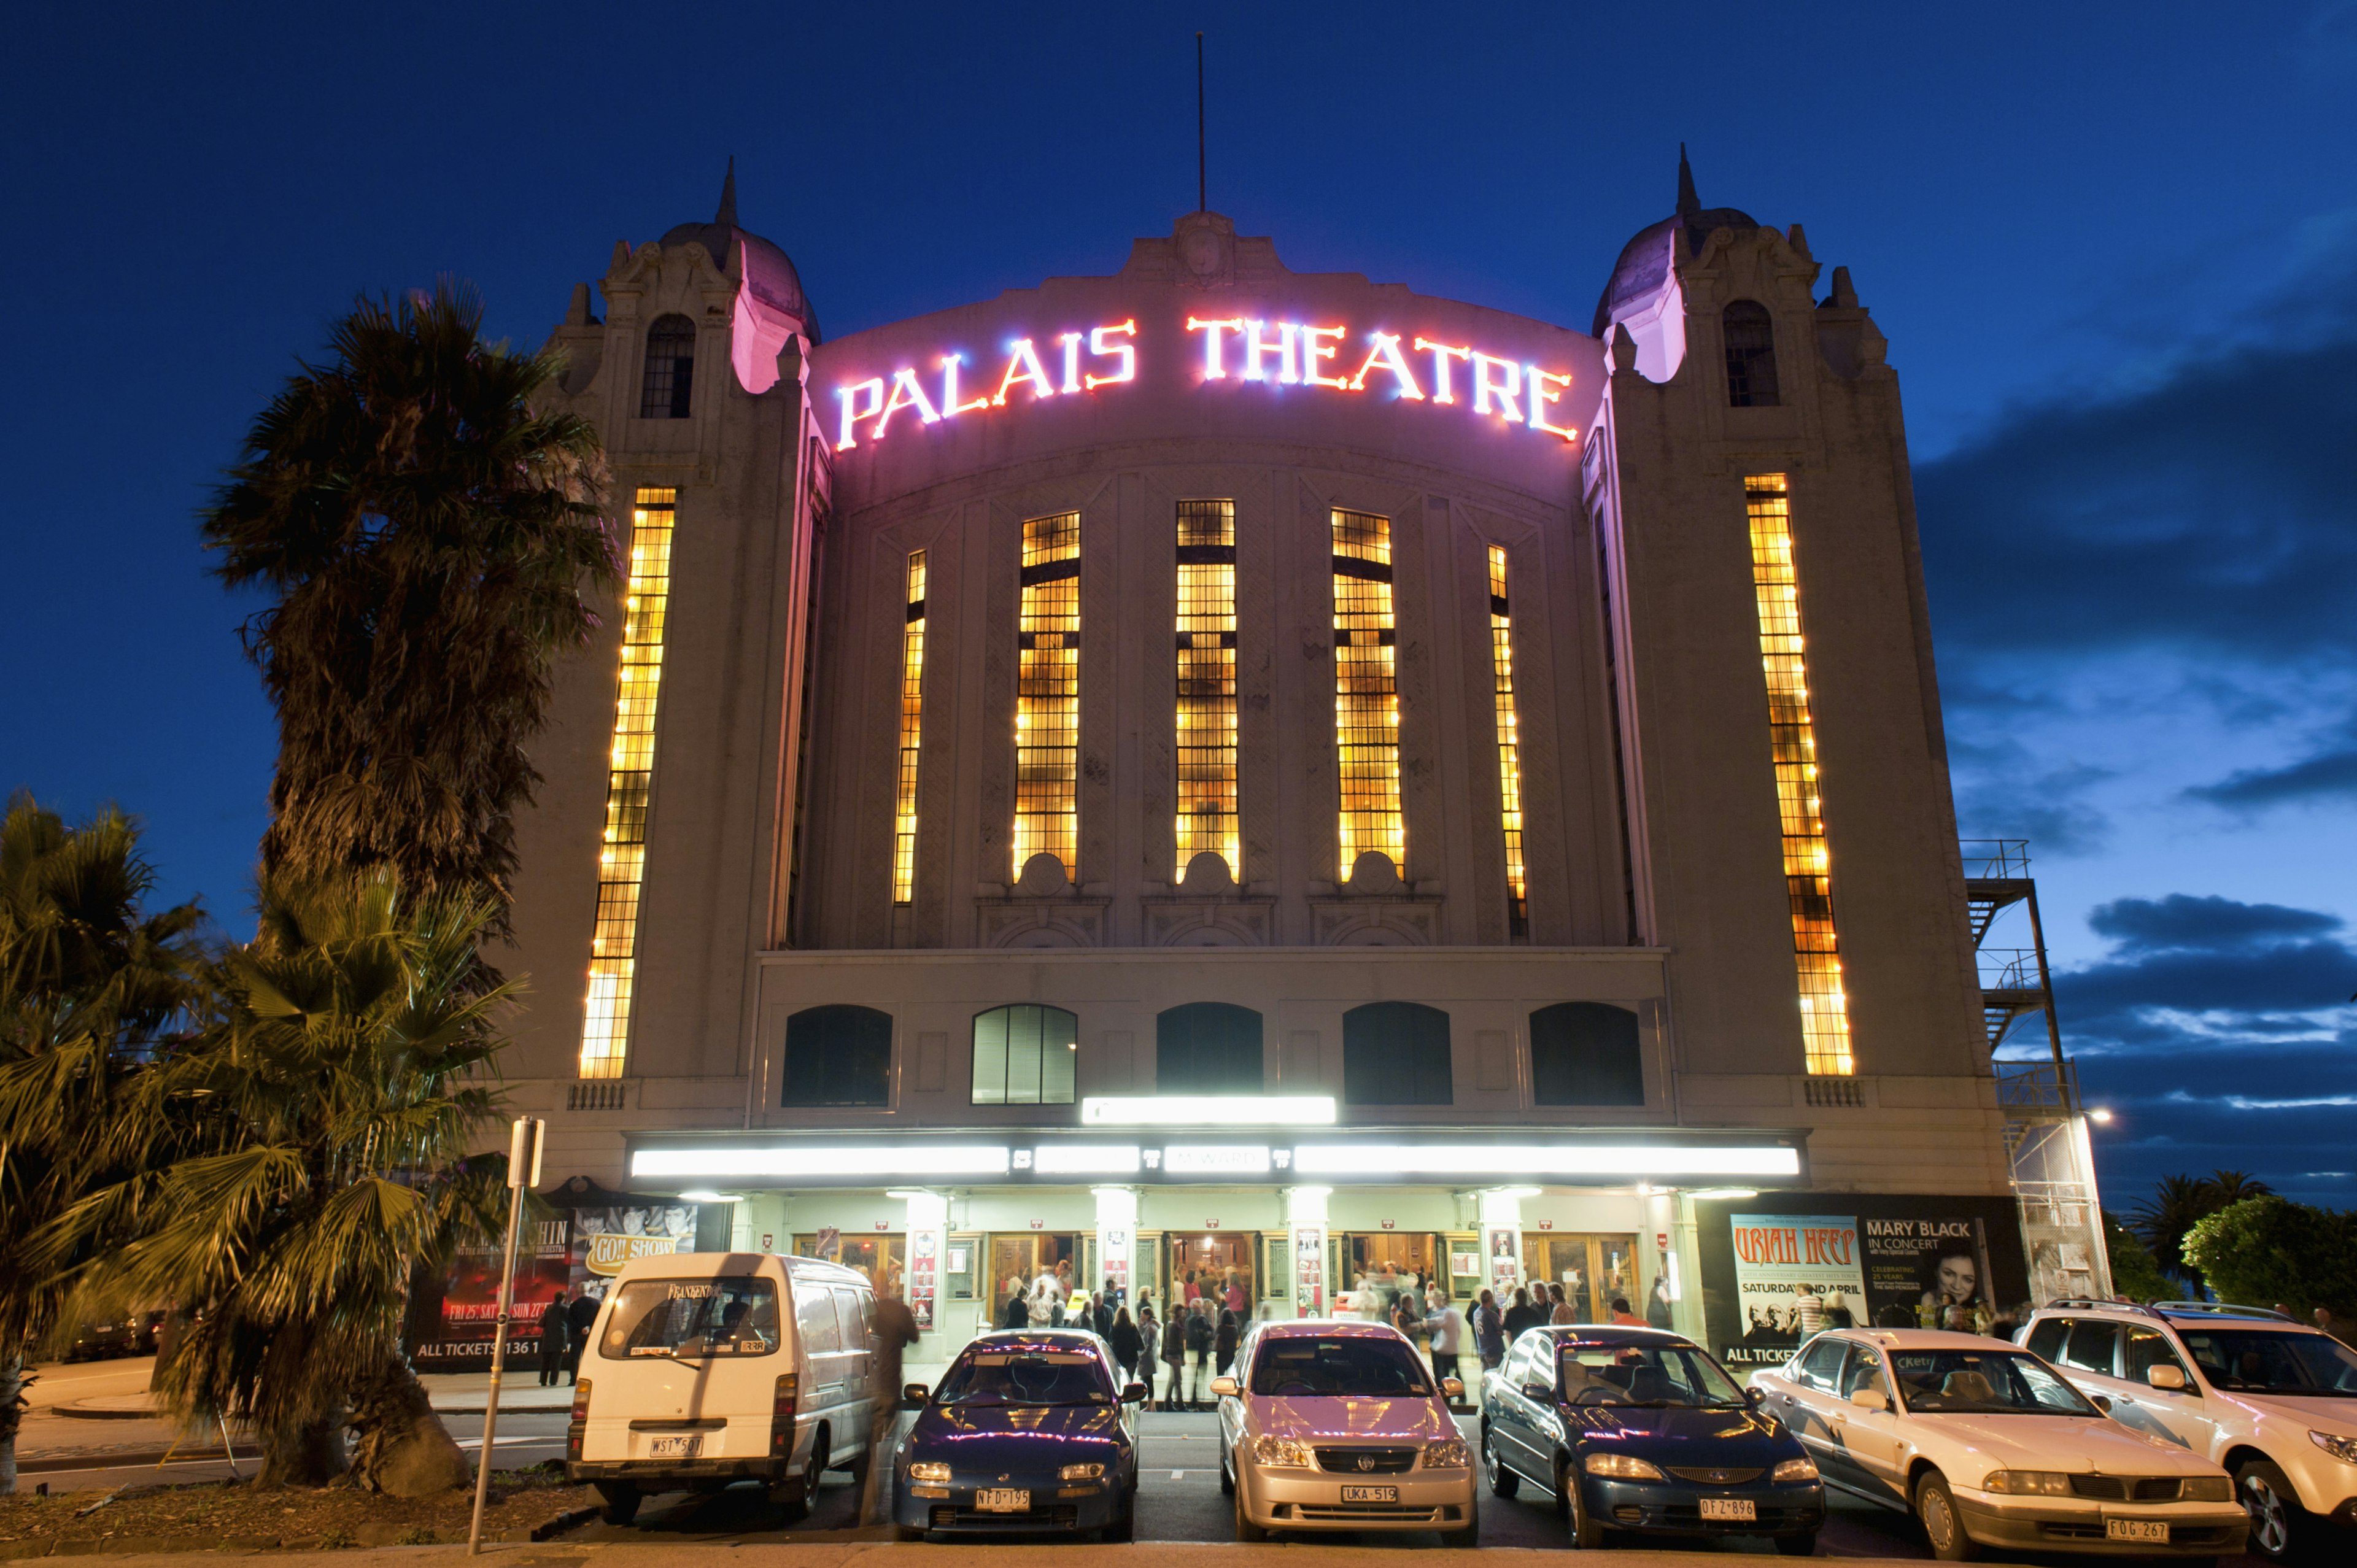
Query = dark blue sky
x=2112 y=247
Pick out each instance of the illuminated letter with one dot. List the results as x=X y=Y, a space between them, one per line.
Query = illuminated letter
x=1071 y=342
x=874 y=388
x=950 y=404
x=1023 y=365
x=1385 y=356
x=1536 y=380
x=1212 y=370
x=1128 y=354
x=1440 y=356
x=1283 y=348
x=1484 y=388
x=905 y=393
x=1311 y=353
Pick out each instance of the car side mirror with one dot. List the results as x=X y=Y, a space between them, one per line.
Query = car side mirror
x=1452 y=1390
x=2163 y=1376
x=1536 y=1390
x=2102 y=1402
x=1225 y=1387
x=914 y=1395
x=1871 y=1399
x=1134 y=1394
x=1755 y=1396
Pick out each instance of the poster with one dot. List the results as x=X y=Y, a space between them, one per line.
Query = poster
x=924 y=1277
x=1779 y=1266
x=1309 y=1273
x=1505 y=1263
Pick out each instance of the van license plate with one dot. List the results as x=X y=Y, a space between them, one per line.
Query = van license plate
x=676 y=1447
x=1370 y=1494
x=2148 y=1530
x=1002 y=1500
x=1729 y=1508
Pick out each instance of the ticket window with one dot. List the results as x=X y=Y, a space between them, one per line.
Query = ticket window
x=880 y=1255
x=1592 y=1268
x=964 y=1267
x=1208 y=1258
x=1468 y=1275
x=1020 y=1257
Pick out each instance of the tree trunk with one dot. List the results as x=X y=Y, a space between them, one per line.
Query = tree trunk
x=400 y=1447
x=310 y=1454
x=12 y=1415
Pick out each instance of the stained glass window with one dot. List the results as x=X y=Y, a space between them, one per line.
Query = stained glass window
x=1207 y=685
x=1510 y=751
x=913 y=705
x=1048 y=694
x=1366 y=690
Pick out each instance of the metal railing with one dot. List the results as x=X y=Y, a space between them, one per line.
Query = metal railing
x=2048 y=1086
x=1994 y=859
x=2009 y=968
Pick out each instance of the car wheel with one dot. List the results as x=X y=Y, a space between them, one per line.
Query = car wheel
x=1942 y=1522
x=1469 y=1536
x=2279 y=1526
x=791 y=1497
x=1503 y=1483
x=621 y=1500
x=1801 y=1543
x=1586 y=1532
x=1123 y=1530
x=1246 y=1530
x=1227 y=1476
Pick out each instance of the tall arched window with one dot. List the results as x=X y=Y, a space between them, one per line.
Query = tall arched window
x=1586 y=1053
x=838 y=1056
x=1208 y=1047
x=1023 y=1055
x=671 y=368
x=1750 y=355
x=1396 y=1053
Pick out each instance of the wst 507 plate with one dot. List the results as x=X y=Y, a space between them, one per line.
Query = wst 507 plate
x=1002 y=1499
x=2153 y=1529
x=1729 y=1508
x=676 y=1447
x=1370 y=1494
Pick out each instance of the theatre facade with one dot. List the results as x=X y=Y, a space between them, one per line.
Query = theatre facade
x=1208 y=765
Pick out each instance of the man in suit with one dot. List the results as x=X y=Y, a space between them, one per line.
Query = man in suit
x=581 y=1316
x=556 y=1339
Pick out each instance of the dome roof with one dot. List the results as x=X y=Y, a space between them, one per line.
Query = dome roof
x=769 y=275
x=1645 y=261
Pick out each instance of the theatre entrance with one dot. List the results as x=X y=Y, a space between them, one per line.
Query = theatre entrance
x=1018 y=1258
x=1211 y=1256
x=1592 y=1269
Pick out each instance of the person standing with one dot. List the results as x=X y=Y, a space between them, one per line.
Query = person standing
x=580 y=1318
x=1657 y=1305
x=1562 y=1311
x=1236 y=1301
x=1520 y=1315
x=1174 y=1352
x=1122 y=1337
x=1622 y=1318
x=1489 y=1332
x=555 y=1333
x=1016 y=1311
x=1200 y=1339
x=1811 y=1309
x=1447 y=1327
x=895 y=1331
x=1149 y=1344
x=1043 y=1308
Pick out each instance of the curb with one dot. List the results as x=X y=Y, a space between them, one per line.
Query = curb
x=75 y=1413
x=112 y=1460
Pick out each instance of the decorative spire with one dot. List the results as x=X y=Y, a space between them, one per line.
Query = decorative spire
x=1688 y=202
x=727 y=213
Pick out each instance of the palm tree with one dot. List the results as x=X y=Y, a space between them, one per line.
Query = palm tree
x=2232 y=1186
x=335 y=1100
x=426 y=537
x=90 y=990
x=2178 y=1203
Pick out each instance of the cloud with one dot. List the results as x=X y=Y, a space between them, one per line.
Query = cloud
x=2001 y=797
x=2326 y=776
x=2181 y=920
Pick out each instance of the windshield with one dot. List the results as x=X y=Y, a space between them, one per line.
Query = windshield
x=1644 y=1375
x=2260 y=1362
x=1026 y=1377
x=1983 y=1383
x=691 y=1319
x=1338 y=1365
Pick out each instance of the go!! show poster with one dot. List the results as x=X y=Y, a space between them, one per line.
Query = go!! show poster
x=1778 y=1267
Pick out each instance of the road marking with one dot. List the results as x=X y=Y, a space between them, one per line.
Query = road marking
x=1178 y=1474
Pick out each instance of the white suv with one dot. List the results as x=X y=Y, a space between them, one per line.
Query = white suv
x=2272 y=1401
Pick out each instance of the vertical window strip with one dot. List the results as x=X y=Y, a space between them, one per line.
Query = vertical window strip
x=1509 y=754
x=1366 y=690
x=1808 y=869
x=1206 y=685
x=913 y=705
x=621 y=863
x=1048 y=694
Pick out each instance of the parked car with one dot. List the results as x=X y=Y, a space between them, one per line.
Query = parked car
x=1638 y=1429
x=1028 y=1431
x=1990 y=1447
x=130 y=1336
x=1328 y=1425
x=706 y=1369
x=2273 y=1400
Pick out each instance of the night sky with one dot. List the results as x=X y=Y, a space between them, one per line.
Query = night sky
x=2112 y=248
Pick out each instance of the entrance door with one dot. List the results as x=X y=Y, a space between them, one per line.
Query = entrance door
x=1379 y=1264
x=1593 y=1268
x=1020 y=1257
x=1211 y=1258
x=876 y=1255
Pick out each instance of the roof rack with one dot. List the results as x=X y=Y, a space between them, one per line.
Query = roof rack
x=2094 y=1303
x=2223 y=1309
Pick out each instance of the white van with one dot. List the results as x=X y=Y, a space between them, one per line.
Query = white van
x=708 y=1367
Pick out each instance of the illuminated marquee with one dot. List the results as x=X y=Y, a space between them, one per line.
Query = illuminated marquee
x=1282 y=353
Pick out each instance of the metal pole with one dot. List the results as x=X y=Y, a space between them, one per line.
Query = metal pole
x=523 y=1156
x=1202 y=202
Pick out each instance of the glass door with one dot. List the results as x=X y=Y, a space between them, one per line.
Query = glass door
x=1594 y=1268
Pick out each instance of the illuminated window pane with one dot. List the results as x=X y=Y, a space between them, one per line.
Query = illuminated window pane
x=1366 y=692
x=1510 y=754
x=621 y=861
x=1207 y=685
x=1048 y=694
x=1808 y=870
x=1023 y=1055
x=912 y=705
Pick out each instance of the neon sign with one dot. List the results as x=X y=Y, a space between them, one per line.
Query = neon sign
x=1281 y=353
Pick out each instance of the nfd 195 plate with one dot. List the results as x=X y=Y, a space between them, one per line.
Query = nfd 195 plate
x=1002 y=1499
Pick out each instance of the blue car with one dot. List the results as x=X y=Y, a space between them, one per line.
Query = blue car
x=1639 y=1430
x=1027 y=1433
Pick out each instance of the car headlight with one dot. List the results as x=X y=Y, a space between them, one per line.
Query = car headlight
x=1801 y=1469
x=1079 y=1472
x=2339 y=1447
x=1281 y=1453
x=1446 y=1453
x=1622 y=1468
x=2213 y=1488
x=928 y=1470
x=2028 y=1483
